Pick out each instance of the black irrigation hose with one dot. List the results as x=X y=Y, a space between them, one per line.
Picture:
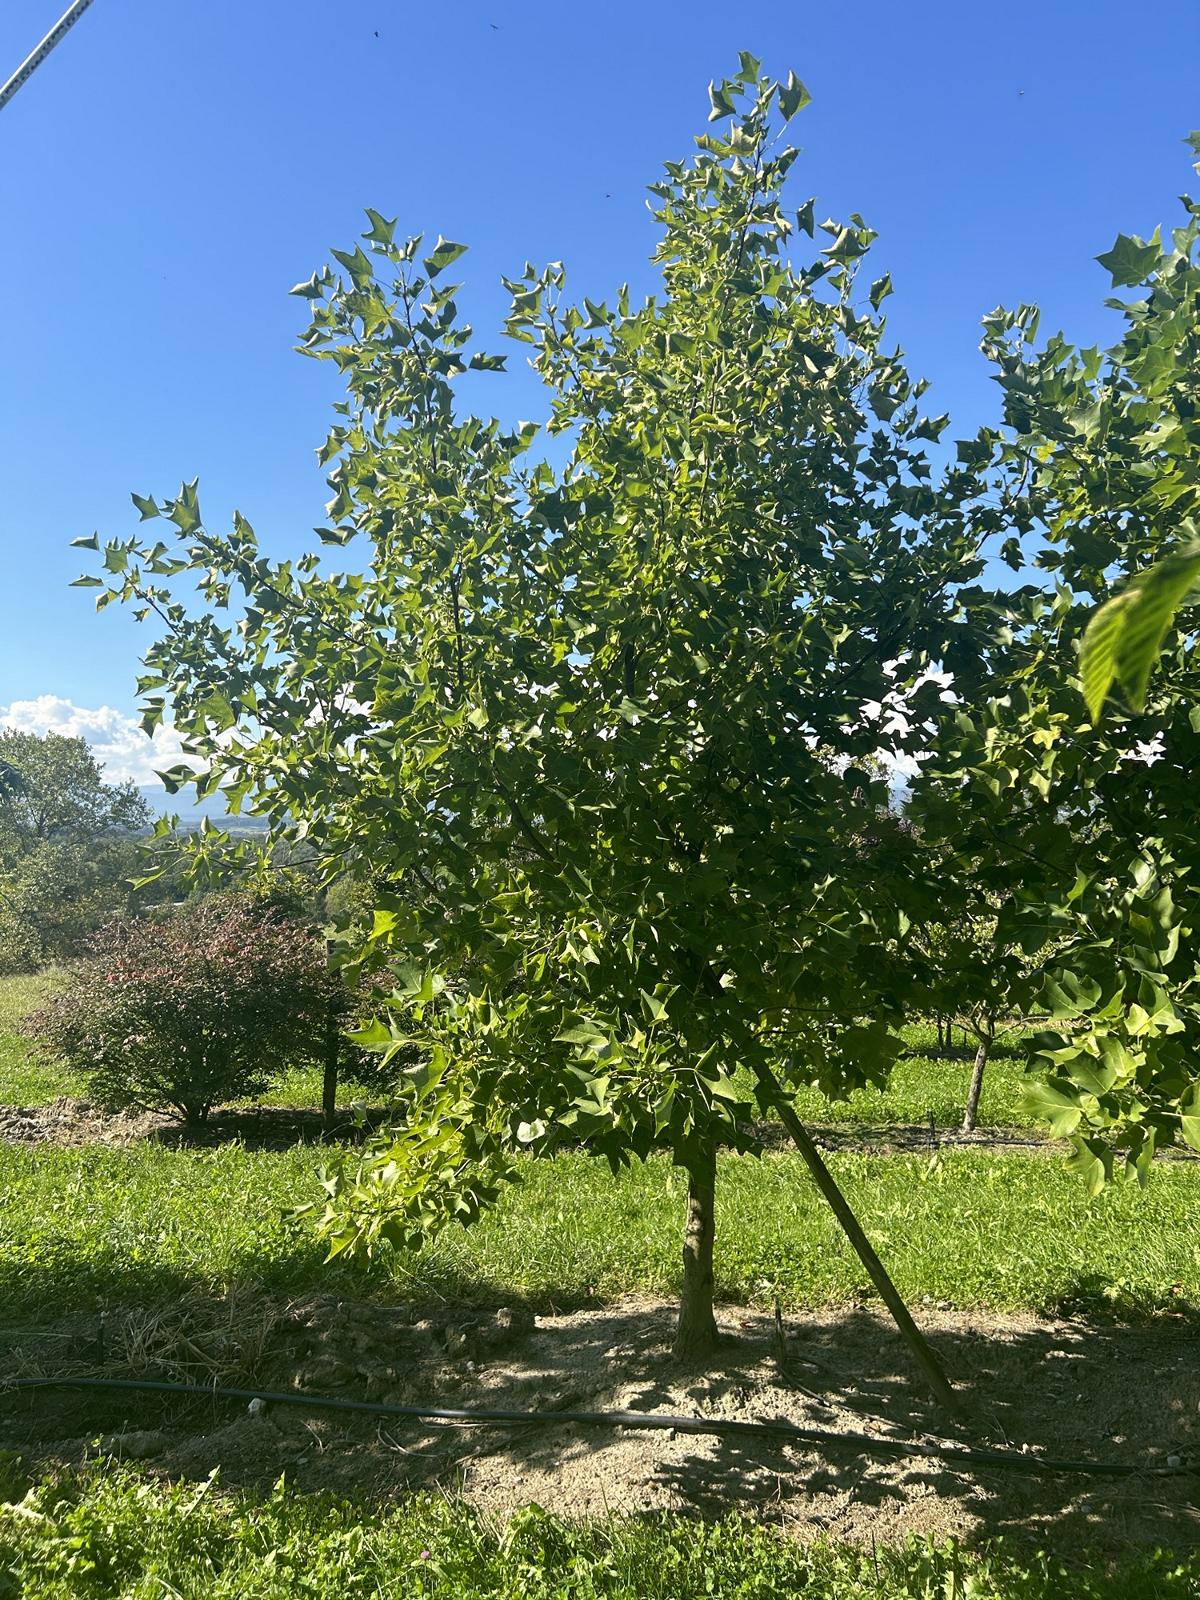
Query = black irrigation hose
x=860 y=1443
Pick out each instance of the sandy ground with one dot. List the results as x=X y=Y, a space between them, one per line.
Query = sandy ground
x=1061 y=1389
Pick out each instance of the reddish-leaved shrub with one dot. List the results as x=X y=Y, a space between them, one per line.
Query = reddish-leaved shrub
x=203 y=1006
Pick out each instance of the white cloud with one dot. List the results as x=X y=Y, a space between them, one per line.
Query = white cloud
x=116 y=738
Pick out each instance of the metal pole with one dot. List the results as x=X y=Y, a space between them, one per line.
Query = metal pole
x=40 y=51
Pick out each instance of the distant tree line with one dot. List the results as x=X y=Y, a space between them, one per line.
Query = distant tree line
x=68 y=848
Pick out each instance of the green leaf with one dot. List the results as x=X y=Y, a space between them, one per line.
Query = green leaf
x=90 y=541
x=1124 y=637
x=357 y=263
x=1057 y=1107
x=1093 y=1165
x=1131 y=260
x=382 y=229
x=374 y=1035
x=585 y=1033
x=1098 y=653
x=793 y=97
x=444 y=252
x=87 y=583
x=147 y=505
x=184 y=512
x=311 y=289
x=721 y=104
x=174 y=778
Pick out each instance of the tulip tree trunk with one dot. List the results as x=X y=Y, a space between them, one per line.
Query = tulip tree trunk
x=329 y=1079
x=971 y=1116
x=696 y=1334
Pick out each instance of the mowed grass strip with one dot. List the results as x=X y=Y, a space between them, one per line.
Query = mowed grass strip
x=1006 y=1231
x=923 y=1086
x=27 y=1078
x=105 y=1534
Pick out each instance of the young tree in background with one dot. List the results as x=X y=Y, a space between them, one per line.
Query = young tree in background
x=1109 y=443
x=980 y=979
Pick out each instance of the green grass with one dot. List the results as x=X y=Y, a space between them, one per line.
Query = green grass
x=25 y=1078
x=982 y=1230
x=922 y=1084
x=105 y=1535
x=300 y=1090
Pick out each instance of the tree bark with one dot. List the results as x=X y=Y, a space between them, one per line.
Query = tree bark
x=696 y=1333
x=329 y=1081
x=971 y=1115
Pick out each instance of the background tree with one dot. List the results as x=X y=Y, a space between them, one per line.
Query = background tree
x=67 y=846
x=1109 y=445
x=600 y=726
x=61 y=794
x=979 y=978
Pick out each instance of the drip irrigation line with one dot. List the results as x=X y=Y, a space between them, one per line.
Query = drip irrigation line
x=724 y=1427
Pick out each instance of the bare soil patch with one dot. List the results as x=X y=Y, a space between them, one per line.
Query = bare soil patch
x=912 y=1138
x=1055 y=1388
x=79 y=1122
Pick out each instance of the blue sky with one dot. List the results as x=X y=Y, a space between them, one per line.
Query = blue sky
x=177 y=164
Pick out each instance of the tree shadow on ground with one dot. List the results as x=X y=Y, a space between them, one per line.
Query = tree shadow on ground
x=1067 y=1391
x=1001 y=1050
x=916 y=1137
x=1076 y=1389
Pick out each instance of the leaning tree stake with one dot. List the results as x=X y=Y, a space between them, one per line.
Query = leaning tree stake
x=597 y=709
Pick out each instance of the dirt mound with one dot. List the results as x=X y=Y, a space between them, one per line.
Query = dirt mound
x=1052 y=1388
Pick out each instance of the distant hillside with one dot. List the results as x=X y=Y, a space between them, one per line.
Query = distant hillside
x=191 y=811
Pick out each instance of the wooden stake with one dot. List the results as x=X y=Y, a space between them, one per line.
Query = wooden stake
x=938 y=1383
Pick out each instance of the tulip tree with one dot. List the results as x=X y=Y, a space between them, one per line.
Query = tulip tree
x=595 y=709
x=1103 y=809
x=978 y=977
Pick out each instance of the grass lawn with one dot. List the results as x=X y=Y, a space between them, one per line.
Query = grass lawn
x=105 y=1535
x=923 y=1084
x=26 y=1080
x=1007 y=1231
x=85 y=1226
